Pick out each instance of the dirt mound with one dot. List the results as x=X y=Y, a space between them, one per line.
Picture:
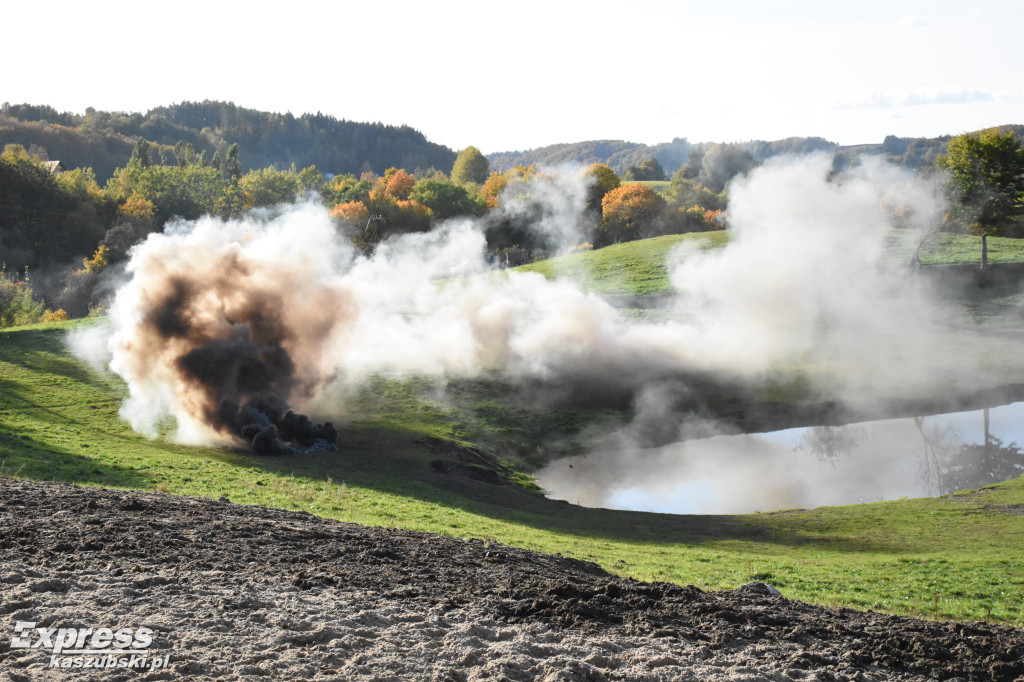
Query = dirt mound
x=244 y=592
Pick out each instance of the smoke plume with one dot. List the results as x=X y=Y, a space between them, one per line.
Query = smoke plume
x=224 y=326
x=232 y=328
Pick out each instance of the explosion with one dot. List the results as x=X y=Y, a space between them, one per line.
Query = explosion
x=225 y=331
x=233 y=328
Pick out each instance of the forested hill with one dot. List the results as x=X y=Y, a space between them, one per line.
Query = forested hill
x=912 y=152
x=671 y=156
x=618 y=154
x=104 y=140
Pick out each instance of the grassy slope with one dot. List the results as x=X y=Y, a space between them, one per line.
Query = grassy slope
x=630 y=269
x=637 y=268
x=957 y=557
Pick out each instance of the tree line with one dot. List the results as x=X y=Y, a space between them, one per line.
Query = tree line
x=101 y=140
x=60 y=232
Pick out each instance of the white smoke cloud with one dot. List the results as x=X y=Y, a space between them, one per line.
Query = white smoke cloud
x=806 y=268
x=553 y=202
x=806 y=281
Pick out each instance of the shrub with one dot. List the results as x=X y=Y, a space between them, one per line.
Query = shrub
x=18 y=305
x=58 y=315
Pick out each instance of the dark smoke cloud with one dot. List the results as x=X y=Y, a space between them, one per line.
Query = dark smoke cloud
x=229 y=334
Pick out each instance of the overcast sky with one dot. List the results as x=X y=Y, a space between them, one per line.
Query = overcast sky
x=524 y=74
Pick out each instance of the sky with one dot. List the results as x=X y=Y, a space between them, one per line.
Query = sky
x=520 y=75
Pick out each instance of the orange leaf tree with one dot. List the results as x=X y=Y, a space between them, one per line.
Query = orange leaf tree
x=632 y=211
x=400 y=184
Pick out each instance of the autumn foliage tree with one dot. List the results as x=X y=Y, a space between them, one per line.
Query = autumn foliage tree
x=632 y=211
x=354 y=212
x=399 y=184
x=345 y=188
x=490 y=192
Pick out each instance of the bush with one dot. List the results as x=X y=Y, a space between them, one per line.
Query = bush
x=18 y=305
x=58 y=315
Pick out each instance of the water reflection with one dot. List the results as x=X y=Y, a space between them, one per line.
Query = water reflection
x=808 y=467
x=947 y=463
x=829 y=443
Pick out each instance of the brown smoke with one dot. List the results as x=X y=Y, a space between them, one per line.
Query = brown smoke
x=235 y=334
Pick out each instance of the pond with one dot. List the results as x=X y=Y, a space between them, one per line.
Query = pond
x=801 y=467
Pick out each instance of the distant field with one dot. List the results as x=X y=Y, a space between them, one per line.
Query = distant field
x=658 y=186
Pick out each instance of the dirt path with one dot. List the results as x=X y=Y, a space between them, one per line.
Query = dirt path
x=249 y=593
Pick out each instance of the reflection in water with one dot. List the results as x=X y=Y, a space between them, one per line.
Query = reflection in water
x=829 y=443
x=950 y=464
x=863 y=462
x=975 y=466
x=940 y=445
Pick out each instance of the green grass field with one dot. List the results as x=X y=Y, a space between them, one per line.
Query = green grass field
x=960 y=556
x=956 y=557
x=636 y=268
x=629 y=269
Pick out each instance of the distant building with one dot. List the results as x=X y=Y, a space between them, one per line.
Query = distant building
x=55 y=167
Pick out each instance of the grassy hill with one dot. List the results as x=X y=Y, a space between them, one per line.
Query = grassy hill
x=960 y=556
x=629 y=269
x=638 y=268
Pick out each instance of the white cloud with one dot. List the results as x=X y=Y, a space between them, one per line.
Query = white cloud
x=947 y=94
x=910 y=21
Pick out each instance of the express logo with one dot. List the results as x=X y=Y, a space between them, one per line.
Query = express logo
x=90 y=647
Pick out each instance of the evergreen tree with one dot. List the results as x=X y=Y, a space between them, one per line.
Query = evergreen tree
x=140 y=155
x=232 y=166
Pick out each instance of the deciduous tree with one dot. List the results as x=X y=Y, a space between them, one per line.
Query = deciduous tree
x=985 y=182
x=471 y=167
x=604 y=181
x=685 y=193
x=267 y=187
x=400 y=184
x=632 y=211
x=444 y=199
